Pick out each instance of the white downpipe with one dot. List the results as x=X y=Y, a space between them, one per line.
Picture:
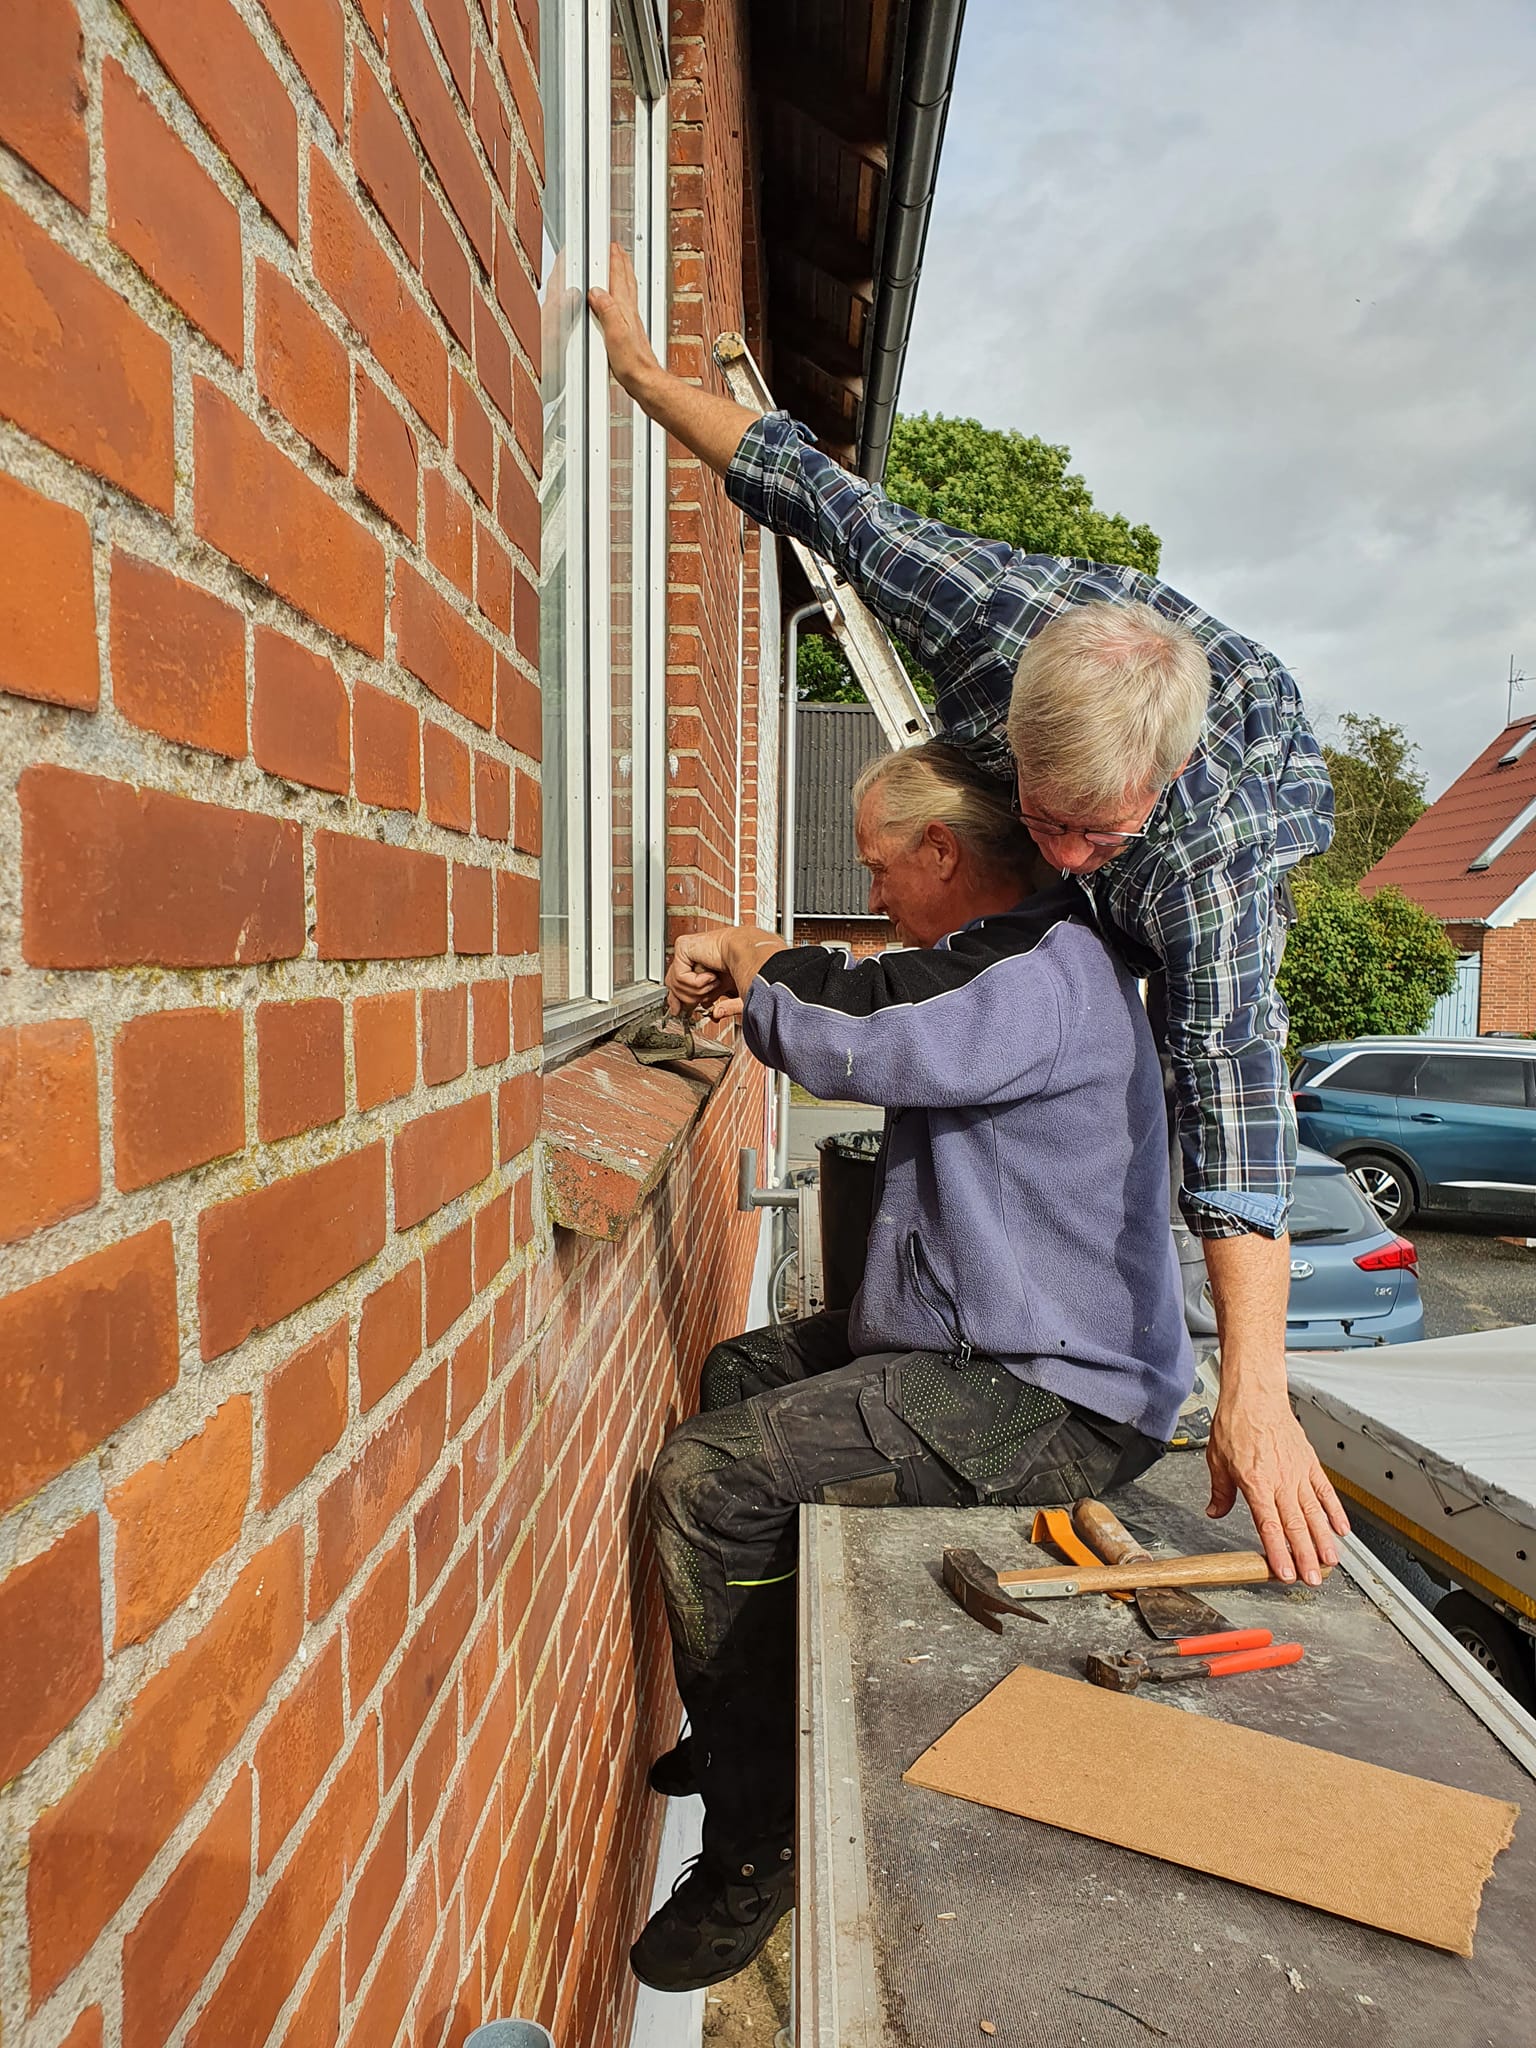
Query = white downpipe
x=788 y=767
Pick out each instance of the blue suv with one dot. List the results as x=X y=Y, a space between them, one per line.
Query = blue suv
x=1427 y=1126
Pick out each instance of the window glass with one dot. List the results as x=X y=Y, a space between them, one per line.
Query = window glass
x=1377 y=1073
x=1327 y=1207
x=625 y=498
x=1473 y=1078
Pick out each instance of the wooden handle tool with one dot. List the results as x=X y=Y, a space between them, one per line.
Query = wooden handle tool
x=1105 y=1534
x=1220 y=1568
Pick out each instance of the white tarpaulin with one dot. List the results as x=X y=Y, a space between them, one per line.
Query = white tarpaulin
x=1463 y=1407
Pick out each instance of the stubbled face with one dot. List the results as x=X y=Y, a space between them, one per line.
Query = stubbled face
x=909 y=884
x=1059 y=833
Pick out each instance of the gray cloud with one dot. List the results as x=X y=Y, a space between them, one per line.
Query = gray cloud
x=1271 y=273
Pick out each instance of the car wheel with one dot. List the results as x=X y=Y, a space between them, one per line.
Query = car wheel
x=1385 y=1185
x=1501 y=1649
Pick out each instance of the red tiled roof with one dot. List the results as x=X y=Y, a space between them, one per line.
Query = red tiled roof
x=1430 y=862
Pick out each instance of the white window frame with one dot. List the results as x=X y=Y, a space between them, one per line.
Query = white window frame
x=599 y=1006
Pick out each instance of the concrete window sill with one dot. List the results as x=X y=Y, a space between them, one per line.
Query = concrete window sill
x=609 y=1129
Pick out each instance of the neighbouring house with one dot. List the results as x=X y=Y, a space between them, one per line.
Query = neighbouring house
x=834 y=744
x=378 y=694
x=1470 y=860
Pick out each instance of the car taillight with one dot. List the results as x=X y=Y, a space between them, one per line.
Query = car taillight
x=1398 y=1256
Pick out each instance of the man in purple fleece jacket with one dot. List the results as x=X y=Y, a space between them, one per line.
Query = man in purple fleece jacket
x=1019 y=1335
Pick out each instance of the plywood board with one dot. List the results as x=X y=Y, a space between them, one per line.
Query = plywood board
x=1369 y=1844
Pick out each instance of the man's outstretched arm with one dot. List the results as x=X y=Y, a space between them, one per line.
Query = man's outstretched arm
x=707 y=424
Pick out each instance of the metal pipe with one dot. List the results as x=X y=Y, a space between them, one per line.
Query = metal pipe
x=787 y=774
x=927 y=78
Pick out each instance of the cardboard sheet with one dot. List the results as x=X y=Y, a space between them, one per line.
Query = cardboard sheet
x=1373 y=1845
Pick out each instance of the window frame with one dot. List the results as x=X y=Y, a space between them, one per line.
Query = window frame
x=572 y=1022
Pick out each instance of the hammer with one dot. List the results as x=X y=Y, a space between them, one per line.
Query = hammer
x=985 y=1593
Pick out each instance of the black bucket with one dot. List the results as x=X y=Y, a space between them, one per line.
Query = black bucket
x=849 y=1167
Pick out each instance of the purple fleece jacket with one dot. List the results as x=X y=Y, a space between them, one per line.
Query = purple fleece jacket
x=1023 y=1205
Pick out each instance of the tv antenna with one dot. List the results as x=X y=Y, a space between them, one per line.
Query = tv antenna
x=1516 y=682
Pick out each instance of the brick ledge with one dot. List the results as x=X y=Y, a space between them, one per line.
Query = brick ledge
x=609 y=1129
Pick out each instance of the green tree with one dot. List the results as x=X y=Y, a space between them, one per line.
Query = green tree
x=1378 y=791
x=999 y=484
x=1355 y=965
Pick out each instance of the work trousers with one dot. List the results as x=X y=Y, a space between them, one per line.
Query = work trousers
x=789 y=1416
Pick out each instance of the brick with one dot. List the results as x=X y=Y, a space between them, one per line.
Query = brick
x=50 y=1620
x=517 y=912
x=519 y=710
x=177 y=1941
x=444 y=1034
x=315 y=33
x=359 y=276
x=50 y=1149
x=80 y=1353
x=383 y=158
x=296 y=1749
x=282 y=1937
x=301 y=1066
x=424 y=1668
x=43 y=96
x=378 y=902
x=518 y=297
x=527 y=815
x=446 y=762
x=471 y=1365
x=305 y=1412
x=474 y=444
x=118 y=877
x=265 y=1254
x=474 y=921
x=493 y=1240
x=79 y=369
x=439 y=1157
x=440 y=129
x=494 y=368
x=517 y=506
x=357 y=1508
x=434 y=1764
x=528 y=212
x=178 y=1093
x=88 y=1851
x=376 y=1622
x=527 y=1012
x=450 y=1279
x=445 y=272
x=178 y=658
x=521 y=1102
x=386 y=466
x=522 y=1211
x=255 y=506
x=435 y=1530
x=493 y=798
x=401 y=1967
x=299 y=715
x=386 y=750
x=376 y=1895
x=493 y=1033
x=450 y=22
x=493 y=578
x=301 y=367
x=522 y=79
x=492 y=125
x=528 y=414
x=239 y=98
x=165 y=212
x=389 y=1335
x=47 y=599
x=384 y=1047
x=525 y=622
x=442 y=649
x=317 y=2021
x=450 y=531
x=176 y=1518
x=86 y=2032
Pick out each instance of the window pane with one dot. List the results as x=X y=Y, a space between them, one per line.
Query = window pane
x=625 y=531
x=1377 y=1073
x=560 y=612
x=1326 y=1206
x=1465 y=1077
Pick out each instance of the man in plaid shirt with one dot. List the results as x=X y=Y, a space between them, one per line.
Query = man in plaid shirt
x=1165 y=762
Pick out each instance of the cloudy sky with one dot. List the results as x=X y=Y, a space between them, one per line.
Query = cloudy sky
x=1270 y=271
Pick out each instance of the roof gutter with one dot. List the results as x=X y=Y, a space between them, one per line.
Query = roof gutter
x=927 y=78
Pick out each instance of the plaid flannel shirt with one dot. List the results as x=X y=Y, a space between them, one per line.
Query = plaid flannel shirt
x=1200 y=896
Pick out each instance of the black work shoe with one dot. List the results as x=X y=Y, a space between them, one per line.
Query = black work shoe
x=676 y=1775
x=713 y=1925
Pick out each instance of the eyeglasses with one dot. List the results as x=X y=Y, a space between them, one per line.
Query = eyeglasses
x=1054 y=829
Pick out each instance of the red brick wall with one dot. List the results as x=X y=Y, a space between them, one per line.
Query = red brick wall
x=1507 y=996
x=863 y=935
x=333 y=1662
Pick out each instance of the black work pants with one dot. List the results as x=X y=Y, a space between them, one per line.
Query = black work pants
x=788 y=1417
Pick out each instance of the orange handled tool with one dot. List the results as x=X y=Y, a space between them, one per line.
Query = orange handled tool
x=1269 y=1659
x=1219 y=1645
x=1124 y=1672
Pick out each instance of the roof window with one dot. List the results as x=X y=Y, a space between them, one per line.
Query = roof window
x=1521 y=745
x=1505 y=840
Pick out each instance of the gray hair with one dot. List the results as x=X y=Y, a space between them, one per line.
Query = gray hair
x=1108 y=701
x=938 y=784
